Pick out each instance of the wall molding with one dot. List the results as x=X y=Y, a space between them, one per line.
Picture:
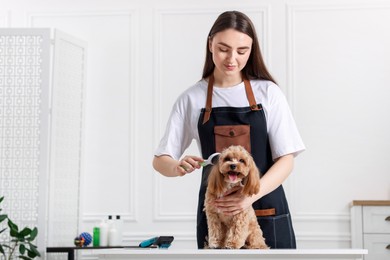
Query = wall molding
x=131 y=215
x=30 y=16
x=96 y=218
x=292 y=11
x=321 y=216
x=5 y=17
x=323 y=237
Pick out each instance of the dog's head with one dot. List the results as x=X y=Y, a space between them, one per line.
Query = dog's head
x=235 y=165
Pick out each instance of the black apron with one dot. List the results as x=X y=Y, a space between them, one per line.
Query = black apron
x=228 y=124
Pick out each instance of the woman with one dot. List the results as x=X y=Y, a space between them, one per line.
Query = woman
x=236 y=102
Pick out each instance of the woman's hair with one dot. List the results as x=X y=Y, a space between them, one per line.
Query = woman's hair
x=255 y=67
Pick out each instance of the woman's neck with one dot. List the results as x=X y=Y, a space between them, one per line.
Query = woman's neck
x=224 y=81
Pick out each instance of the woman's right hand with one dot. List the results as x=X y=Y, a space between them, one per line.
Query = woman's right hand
x=188 y=164
x=170 y=167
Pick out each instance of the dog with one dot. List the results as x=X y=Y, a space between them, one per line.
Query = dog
x=235 y=167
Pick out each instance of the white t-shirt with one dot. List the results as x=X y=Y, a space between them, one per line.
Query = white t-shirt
x=182 y=126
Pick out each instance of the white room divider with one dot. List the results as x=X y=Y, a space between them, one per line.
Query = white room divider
x=41 y=117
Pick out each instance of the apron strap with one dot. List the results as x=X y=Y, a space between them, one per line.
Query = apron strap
x=265 y=212
x=249 y=94
x=207 y=112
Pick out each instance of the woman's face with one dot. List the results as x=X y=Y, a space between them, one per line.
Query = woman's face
x=230 y=51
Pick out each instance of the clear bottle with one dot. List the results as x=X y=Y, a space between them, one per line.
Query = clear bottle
x=113 y=235
x=103 y=233
x=119 y=228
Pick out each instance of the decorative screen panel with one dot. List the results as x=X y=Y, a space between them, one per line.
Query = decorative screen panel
x=66 y=141
x=40 y=147
x=24 y=84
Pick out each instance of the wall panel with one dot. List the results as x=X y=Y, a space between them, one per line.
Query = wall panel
x=337 y=79
x=111 y=46
x=3 y=19
x=330 y=58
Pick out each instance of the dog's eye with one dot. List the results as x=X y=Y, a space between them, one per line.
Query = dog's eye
x=226 y=159
x=242 y=161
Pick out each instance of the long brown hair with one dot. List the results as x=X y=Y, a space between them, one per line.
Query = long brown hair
x=255 y=67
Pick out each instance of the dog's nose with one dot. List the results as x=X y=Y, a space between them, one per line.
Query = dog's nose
x=233 y=166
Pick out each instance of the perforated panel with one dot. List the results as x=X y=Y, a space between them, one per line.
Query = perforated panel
x=40 y=166
x=24 y=71
x=66 y=143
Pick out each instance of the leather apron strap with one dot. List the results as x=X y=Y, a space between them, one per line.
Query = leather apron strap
x=265 y=212
x=249 y=94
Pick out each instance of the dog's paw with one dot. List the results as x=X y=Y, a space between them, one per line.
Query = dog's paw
x=233 y=245
x=260 y=245
x=213 y=247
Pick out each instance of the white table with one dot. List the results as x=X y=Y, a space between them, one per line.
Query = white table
x=294 y=254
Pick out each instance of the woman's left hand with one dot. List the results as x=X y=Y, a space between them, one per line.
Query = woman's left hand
x=233 y=202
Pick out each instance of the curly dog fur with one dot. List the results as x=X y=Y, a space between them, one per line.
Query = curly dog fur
x=235 y=167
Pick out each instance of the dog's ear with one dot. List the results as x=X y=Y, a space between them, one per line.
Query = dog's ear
x=252 y=181
x=215 y=181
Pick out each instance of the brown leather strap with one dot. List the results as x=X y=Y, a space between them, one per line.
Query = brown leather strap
x=250 y=96
x=207 y=112
x=265 y=212
x=248 y=91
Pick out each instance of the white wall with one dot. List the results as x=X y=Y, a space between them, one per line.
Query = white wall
x=331 y=58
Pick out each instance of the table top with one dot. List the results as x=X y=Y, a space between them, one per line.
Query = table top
x=371 y=203
x=183 y=252
x=127 y=253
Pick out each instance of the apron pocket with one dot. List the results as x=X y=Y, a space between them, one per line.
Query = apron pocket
x=227 y=135
x=278 y=231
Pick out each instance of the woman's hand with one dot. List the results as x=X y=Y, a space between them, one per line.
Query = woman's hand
x=233 y=202
x=170 y=167
x=188 y=164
